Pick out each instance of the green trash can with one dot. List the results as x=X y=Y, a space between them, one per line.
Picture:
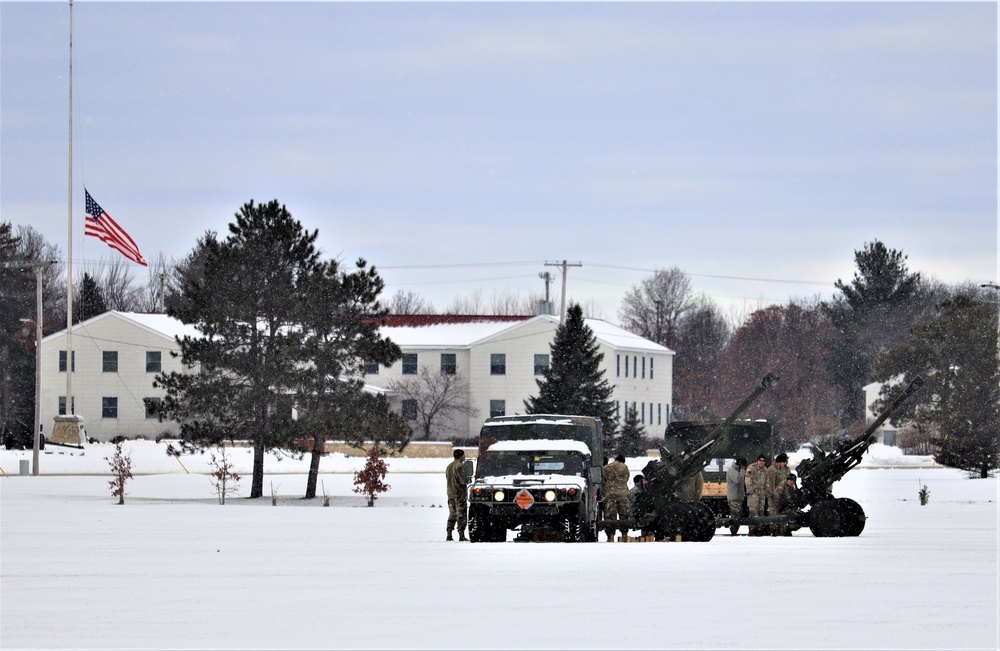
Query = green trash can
x=24 y=467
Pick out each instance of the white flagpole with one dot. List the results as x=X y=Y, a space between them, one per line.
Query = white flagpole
x=69 y=259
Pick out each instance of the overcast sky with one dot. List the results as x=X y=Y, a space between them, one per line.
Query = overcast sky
x=460 y=146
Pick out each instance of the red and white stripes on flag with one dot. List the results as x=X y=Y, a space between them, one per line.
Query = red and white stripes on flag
x=101 y=226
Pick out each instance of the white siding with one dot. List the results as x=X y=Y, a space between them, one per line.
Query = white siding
x=111 y=331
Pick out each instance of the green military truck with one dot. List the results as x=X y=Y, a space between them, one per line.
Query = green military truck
x=745 y=438
x=539 y=474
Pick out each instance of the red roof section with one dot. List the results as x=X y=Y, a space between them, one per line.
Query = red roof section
x=417 y=320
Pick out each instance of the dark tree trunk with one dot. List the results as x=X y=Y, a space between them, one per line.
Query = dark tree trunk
x=257 y=485
x=317 y=453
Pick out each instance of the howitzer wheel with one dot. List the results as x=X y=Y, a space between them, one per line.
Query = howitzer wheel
x=854 y=516
x=827 y=519
x=704 y=523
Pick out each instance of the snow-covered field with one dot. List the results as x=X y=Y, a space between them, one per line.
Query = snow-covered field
x=174 y=569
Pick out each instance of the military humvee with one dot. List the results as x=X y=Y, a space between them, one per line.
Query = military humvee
x=540 y=474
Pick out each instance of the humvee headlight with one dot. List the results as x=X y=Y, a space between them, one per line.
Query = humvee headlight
x=550 y=496
x=498 y=496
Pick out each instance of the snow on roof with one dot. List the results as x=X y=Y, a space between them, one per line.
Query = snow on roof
x=468 y=331
x=540 y=444
x=161 y=324
x=446 y=335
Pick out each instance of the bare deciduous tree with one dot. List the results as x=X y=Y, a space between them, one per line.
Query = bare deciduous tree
x=116 y=283
x=409 y=302
x=439 y=398
x=654 y=308
x=150 y=297
x=469 y=304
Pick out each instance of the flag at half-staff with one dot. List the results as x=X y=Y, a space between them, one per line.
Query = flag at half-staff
x=101 y=226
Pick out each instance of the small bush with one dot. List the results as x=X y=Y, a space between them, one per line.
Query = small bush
x=369 y=480
x=925 y=495
x=121 y=469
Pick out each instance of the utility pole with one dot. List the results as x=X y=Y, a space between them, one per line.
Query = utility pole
x=659 y=307
x=163 y=277
x=565 y=272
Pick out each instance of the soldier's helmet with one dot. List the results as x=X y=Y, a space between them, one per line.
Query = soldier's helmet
x=792 y=476
x=741 y=462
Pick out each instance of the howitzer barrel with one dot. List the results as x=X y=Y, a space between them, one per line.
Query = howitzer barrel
x=819 y=473
x=710 y=442
x=910 y=389
x=670 y=470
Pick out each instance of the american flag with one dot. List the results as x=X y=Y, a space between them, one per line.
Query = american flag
x=101 y=226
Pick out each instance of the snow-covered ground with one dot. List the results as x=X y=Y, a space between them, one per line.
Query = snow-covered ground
x=174 y=569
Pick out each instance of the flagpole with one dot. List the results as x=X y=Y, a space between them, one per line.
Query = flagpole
x=69 y=259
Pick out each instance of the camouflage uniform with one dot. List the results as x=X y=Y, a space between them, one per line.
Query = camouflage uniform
x=615 y=476
x=783 y=503
x=691 y=490
x=776 y=476
x=736 y=493
x=458 y=499
x=634 y=494
x=756 y=482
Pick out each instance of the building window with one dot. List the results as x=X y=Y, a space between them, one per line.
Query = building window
x=410 y=409
x=448 y=364
x=409 y=363
x=626 y=366
x=643 y=413
x=371 y=368
x=62 y=361
x=498 y=408
x=541 y=364
x=109 y=407
x=62 y=405
x=154 y=361
x=618 y=365
x=635 y=366
x=109 y=361
x=498 y=364
x=650 y=368
x=643 y=368
x=152 y=407
x=659 y=412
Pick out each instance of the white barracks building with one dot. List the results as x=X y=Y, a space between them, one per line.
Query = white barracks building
x=117 y=355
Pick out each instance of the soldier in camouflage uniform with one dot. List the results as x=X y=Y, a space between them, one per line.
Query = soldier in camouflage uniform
x=615 y=476
x=783 y=503
x=777 y=472
x=756 y=481
x=458 y=499
x=691 y=490
x=736 y=490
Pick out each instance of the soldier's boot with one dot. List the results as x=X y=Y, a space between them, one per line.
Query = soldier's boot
x=733 y=530
x=449 y=535
x=461 y=536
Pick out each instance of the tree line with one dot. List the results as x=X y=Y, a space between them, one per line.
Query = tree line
x=887 y=325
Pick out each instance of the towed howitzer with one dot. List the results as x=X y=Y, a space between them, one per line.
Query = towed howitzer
x=827 y=515
x=659 y=511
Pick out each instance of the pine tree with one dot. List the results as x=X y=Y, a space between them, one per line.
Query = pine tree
x=249 y=294
x=574 y=383
x=631 y=441
x=91 y=301
x=956 y=353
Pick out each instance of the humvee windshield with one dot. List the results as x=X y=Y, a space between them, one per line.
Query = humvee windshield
x=533 y=431
x=497 y=464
